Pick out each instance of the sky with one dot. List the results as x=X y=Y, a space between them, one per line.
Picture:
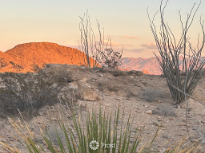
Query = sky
x=125 y=22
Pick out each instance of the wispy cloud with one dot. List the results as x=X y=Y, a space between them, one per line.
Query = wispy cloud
x=136 y=50
x=114 y=44
x=129 y=37
x=149 y=46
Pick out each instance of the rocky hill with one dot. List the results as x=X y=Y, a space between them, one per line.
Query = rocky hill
x=29 y=57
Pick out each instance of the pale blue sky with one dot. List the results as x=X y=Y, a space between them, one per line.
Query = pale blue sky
x=125 y=21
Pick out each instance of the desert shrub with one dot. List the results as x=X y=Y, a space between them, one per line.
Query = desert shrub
x=151 y=95
x=171 y=53
x=104 y=56
x=29 y=92
x=164 y=110
x=109 y=58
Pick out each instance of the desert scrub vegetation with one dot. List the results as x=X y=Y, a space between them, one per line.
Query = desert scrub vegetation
x=105 y=56
x=99 y=135
x=182 y=76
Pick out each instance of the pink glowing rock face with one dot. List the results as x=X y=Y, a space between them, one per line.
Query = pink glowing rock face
x=26 y=57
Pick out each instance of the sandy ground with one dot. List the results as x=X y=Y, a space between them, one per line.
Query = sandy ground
x=152 y=106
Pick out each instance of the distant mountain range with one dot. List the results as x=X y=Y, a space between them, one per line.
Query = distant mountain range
x=29 y=57
x=147 y=65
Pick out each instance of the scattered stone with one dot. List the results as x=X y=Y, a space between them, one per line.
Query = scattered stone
x=131 y=140
x=84 y=79
x=202 y=122
x=189 y=109
x=156 y=123
x=136 y=73
x=149 y=112
x=106 y=94
x=133 y=93
x=159 y=118
x=166 y=136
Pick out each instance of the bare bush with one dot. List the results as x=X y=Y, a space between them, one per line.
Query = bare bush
x=164 y=110
x=110 y=59
x=106 y=57
x=171 y=53
x=151 y=95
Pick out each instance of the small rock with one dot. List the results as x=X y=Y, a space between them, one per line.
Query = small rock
x=131 y=76
x=159 y=118
x=149 y=112
x=84 y=79
x=41 y=114
x=131 y=140
x=106 y=94
x=189 y=109
x=156 y=123
x=202 y=122
x=166 y=136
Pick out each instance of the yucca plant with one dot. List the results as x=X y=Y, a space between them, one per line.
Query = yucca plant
x=101 y=136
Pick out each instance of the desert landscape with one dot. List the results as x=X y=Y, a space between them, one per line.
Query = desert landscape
x=68 y=87
x=37 y=77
